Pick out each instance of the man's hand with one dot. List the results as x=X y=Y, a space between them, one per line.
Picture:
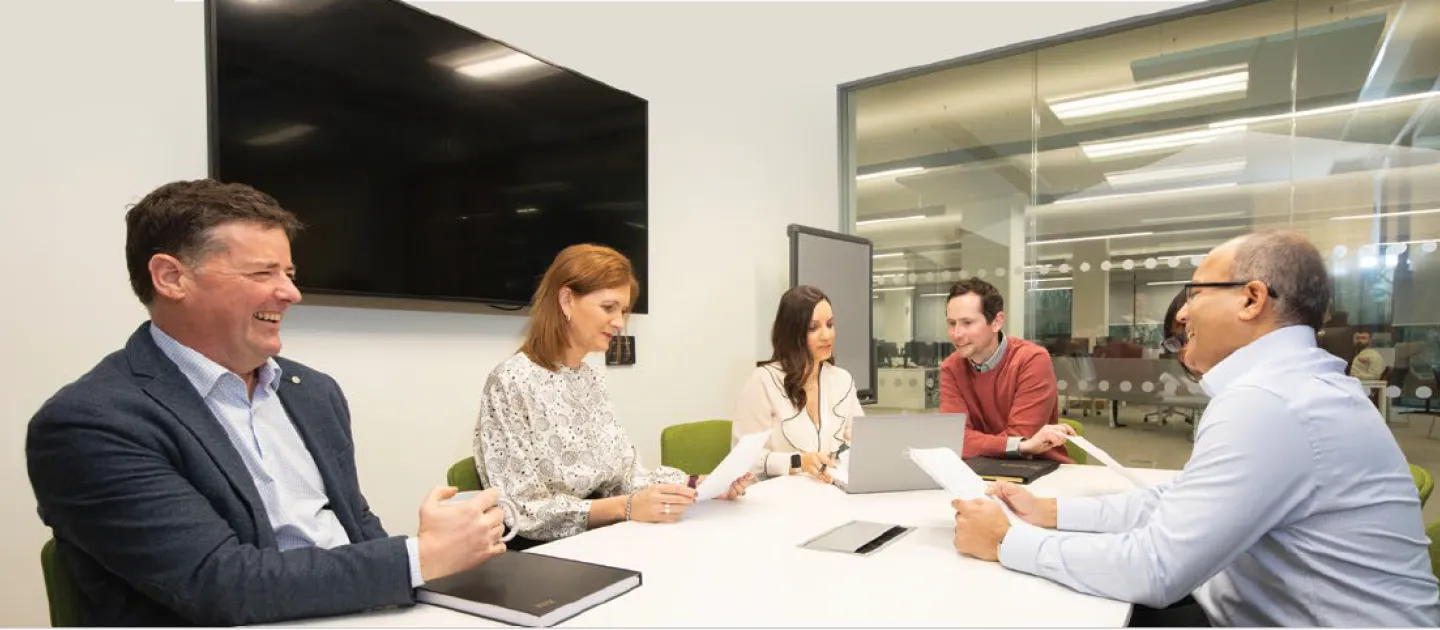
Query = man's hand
x=1048 y=437
x=458 y=536
x=980 y=525
x=1034 y=511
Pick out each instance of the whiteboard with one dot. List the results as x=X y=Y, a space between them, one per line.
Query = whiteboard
x=840 y=265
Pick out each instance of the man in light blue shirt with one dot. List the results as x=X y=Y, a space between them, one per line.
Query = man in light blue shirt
x=1296 y=508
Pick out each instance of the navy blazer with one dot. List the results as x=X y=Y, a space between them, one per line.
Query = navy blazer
x=159 y=521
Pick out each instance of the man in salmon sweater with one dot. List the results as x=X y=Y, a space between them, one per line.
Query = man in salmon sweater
x=1005 y=386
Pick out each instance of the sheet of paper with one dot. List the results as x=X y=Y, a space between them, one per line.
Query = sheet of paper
x=733 y=467
x=1106 y=459
x=955 y=476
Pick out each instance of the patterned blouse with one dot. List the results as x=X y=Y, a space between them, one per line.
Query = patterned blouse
x=550 y=442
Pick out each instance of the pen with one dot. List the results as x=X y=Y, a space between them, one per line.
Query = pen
x=838 y=451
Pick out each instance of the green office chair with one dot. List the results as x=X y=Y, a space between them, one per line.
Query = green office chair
x=463 y=475
x=1076 y=453
x=60 y=589
x=695 y=447
x=1423 y=482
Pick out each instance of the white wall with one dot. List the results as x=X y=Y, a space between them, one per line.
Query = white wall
x=104 y=100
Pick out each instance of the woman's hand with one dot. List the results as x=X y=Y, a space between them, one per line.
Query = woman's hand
x=737 y=489
x=815 y=465
x=660 y=503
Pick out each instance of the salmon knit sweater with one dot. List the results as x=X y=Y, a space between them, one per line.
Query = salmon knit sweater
x=1016 y=398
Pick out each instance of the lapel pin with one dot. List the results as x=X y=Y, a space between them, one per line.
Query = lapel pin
x=295 y=380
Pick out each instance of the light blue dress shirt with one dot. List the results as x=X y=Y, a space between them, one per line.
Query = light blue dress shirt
x=279 y=463
x=1296 y=508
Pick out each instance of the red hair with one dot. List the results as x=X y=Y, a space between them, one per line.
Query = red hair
x=584 y=269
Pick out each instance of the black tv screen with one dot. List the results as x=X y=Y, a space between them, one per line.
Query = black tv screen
x=426 y=160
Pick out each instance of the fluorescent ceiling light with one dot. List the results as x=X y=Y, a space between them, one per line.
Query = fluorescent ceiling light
x=891 y=255
x=1353 y=217
x=1052 y=289
x=1091 y=238
x=1320 y=111
x=893 y=289
x=888 y=220
x=894 y=172
x=934 y=294
x=1148 y=144
x=1178 y=173
x=1192 y=218
x=1148 y=193
x=1231 y=81
x=1052 y=279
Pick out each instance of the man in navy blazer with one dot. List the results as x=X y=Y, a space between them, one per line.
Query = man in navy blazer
x=196 y=478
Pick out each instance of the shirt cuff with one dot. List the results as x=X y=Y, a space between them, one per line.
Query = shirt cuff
x=412 y=549
x=1021 y=548
x=1078 y=514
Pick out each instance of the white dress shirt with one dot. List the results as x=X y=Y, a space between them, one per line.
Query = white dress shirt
x=279 y=463
x=1296 y=508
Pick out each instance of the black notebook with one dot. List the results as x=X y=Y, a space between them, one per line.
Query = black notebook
x=529 y=589
x=1022 y=471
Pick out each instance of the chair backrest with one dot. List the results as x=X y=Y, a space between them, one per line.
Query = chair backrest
x=463 y=475
x=60 y=589
x=695 y=447
x=1076 y=453
x=1424 y=483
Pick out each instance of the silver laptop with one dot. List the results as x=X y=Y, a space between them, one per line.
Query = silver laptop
x=876 y=460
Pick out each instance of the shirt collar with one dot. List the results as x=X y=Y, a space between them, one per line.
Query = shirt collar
x=1275 y=343
x=203 y=373
x=994 y=359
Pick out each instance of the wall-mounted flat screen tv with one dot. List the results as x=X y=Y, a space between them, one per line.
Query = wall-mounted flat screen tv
x=425 y=159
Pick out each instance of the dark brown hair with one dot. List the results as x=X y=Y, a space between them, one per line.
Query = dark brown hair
x=178 y=219
x=1173 y=311
x=585 y=269
x=990 y=301
x=788 y=345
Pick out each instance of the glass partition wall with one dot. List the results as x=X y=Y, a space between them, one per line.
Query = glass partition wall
x=1086 y=177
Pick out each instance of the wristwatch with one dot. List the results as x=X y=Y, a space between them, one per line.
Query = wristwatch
x=794 y=461
x=1012 y=447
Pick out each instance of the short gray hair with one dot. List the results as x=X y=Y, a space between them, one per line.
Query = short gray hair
x=1290 y=265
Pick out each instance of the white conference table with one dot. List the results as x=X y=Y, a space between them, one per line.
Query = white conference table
x=737 y=564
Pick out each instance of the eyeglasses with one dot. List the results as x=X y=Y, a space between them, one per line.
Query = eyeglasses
x=1190 y=287
x=1174 y=345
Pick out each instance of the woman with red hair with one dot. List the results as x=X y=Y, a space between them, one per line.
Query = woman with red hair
x=547 y=435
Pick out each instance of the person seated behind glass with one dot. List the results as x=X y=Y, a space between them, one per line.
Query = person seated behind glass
x=799 y=395
x=547 y=436
x=1368 y=364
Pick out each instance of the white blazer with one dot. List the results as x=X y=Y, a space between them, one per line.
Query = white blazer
x=764 y=407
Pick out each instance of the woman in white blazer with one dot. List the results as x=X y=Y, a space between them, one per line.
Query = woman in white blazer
x=799 y=395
